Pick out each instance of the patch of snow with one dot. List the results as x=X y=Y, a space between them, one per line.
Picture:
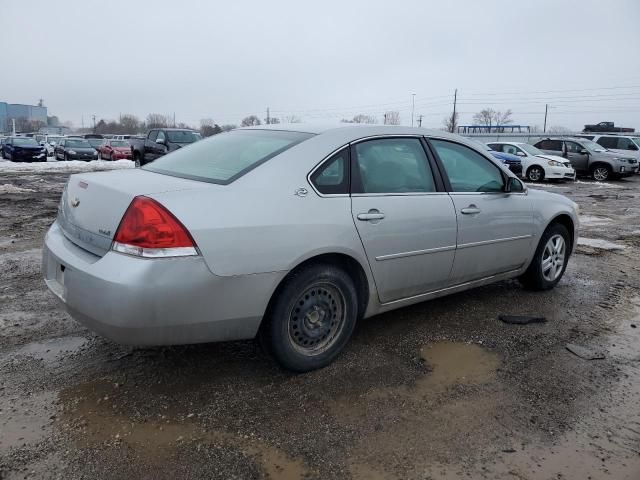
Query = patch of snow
x=599 y=243
x=10 y=188
x=635 y=232
x=599 y=184
x=545 y=185
x=591 y=221
x=62 y=167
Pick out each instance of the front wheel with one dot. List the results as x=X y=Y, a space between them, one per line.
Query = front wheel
x=535 y=174
x=550 y=260
x=601 y=173
x=312 y=318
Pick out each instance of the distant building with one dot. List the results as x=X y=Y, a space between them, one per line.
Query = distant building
x=21 y=113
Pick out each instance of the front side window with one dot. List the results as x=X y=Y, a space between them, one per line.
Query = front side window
x=392 y=165
x=513 y=150
x=227 y=156
x=160 y=136
x=468 y=171
x=333 y=176
x=153 y=134
x=573 y=147
x=182 y=136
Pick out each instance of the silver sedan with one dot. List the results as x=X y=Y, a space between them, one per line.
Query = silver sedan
x=295 y=233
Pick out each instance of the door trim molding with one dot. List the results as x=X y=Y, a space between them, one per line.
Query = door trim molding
x=391 y=256
x=495 y=240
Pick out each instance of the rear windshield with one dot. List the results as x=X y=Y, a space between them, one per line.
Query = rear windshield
x=227 y=156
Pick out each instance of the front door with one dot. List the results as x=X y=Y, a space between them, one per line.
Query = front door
x=580 y=161
x=407 y=225
x=495 y=229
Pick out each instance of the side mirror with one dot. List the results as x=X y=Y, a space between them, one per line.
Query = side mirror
x=514 y=185
x=521 y=154
x=161 y=141
x=584 y=151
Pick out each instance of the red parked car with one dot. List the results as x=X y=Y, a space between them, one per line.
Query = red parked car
x=115 y=150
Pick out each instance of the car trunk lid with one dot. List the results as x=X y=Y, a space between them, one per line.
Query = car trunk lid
x=93 y=204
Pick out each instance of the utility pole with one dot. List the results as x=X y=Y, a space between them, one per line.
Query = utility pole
x=413 y=106
x=453 y=117
x=546 y=109
x=420 y=120
x=94 y=123
x=174 y=119
x=13 y=122
x=82 y=121
x=268 y=119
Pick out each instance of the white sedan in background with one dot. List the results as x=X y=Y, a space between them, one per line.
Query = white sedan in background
x=537 y=165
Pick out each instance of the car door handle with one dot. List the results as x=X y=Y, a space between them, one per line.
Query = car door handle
x=371 y=215
x=470 y=210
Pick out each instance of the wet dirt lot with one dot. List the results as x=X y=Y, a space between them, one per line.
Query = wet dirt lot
x=440 y=390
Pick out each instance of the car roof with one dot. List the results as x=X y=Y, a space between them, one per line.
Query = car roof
x=358 y=130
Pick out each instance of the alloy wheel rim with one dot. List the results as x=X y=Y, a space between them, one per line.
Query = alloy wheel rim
x=553 y=258
x=317 y=318
x=534 y=174
x=600 y=173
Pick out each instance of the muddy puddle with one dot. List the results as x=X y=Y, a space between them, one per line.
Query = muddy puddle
x=26 y=420
x=97 y=414
x=49 y=351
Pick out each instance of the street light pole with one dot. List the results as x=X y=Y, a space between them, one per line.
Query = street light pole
x=546 y=109
x=413 y=106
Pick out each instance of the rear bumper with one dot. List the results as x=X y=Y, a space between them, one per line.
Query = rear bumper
x=142 y=301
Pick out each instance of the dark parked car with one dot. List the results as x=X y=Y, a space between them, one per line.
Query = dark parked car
x=75 y=149
x=160 y=141
x=115 y=150
x=607 y=127
x=95 y=142
x=23 y=149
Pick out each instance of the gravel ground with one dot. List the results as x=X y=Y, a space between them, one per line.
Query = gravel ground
x=439 y=390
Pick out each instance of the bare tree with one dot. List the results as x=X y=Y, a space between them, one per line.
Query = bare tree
x=157 y=120
x=250 y=121
x=392 y=117
x=208 y=127
x=129 y=124
x=291 y=119
x=271 y=120
x=451 y=123
x=558 y=129
x=489 y=117
x=361 y=118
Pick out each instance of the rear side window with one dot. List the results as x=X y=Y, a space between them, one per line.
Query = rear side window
x=392 y=165
x=468 y=171
x=573 y=147
x=333 y=176
x=555 y=145
x=227 y=156
x=608 y=142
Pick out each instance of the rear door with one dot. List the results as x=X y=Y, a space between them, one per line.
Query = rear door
x=494 y=227
x=405 y=219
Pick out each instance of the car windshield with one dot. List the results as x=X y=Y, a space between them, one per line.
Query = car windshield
x=95 y=142
x=119 y=143
x=53 y=139
x=225 y=157
x=182 y=136
x=592 y=146
x=530 y=149
x=77 y=143
x=25 y=142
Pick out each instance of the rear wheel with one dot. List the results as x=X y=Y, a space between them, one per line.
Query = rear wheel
x=312 y=318
x=550 y=260
x=601 y=173
x=137 y=160
x=535 y=173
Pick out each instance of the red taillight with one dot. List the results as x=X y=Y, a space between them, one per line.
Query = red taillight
x=148 y=229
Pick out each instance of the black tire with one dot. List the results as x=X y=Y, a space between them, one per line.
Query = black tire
x=535 y=278
x=535 y=173
x=311 y=318
x=601 y=172
x=137 y=160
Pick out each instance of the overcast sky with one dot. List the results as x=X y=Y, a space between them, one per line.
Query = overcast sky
x=324 y=61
